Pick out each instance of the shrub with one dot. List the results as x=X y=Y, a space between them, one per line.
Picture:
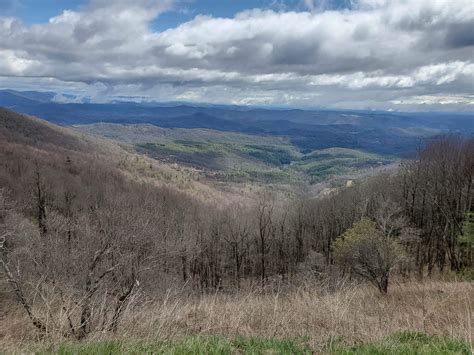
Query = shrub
x=369 y=253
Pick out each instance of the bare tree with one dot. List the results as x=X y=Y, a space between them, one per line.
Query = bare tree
x=265 y=226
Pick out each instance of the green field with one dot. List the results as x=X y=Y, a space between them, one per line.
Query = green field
x=233 y=156
x=402 y=343
x=269 y=154
x=193 y=345
x=273 y=163
x=321 y=164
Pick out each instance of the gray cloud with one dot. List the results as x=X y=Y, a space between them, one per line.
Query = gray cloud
x=460 y=35
x=384 y=54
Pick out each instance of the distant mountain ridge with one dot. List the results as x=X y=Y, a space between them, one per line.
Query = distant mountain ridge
x=378 y=132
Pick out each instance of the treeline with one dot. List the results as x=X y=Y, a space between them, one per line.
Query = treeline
x=79 y=239
x=437 y=196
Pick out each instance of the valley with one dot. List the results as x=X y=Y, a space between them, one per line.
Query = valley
x=237 y=157
x=177 y=227
x=294 y=150
x=291 y=177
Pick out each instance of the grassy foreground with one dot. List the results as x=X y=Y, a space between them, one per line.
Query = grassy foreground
x=191 y=345
x=352 y=319
x=405 y=342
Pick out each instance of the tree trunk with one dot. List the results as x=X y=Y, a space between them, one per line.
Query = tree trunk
x=383 y=284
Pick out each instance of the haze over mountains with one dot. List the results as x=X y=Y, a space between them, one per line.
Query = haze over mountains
x=378 y=132
x=241 y=143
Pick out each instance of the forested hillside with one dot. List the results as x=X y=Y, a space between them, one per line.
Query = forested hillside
x=386 y=133
x=230 y=145
x=86 y=247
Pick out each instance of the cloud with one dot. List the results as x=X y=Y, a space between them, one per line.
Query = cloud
x=322 y=5
x=66 y=99
x=436 y=99
x=391 y=49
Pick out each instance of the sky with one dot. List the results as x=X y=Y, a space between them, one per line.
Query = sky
x=400 y=55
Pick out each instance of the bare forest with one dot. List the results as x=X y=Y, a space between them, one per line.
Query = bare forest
x=88 y=251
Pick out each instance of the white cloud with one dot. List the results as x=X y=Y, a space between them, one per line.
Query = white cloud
x=436 y=100
x=63 y=99
x=335 y=58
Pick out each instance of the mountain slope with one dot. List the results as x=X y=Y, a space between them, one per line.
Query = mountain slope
x=28 y=144
x=31 y=131
x=231 y=156
x=377 y=132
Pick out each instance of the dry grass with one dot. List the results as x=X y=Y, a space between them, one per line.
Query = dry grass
x=357 y=313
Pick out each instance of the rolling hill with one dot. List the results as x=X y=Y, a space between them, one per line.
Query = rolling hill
x=385 y=133
x=230 y=143
x=230 y=156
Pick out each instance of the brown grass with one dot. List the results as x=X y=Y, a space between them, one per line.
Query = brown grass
x=357 y=313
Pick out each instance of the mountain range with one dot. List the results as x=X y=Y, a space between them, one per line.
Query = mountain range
x=389 y=133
